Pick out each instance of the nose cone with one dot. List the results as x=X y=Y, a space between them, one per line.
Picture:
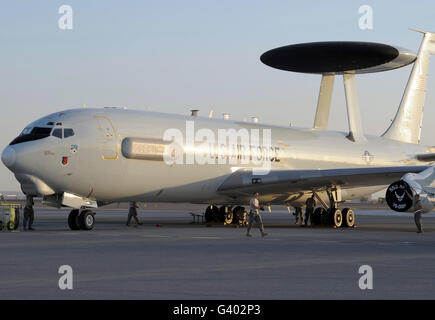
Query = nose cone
x=9 y=156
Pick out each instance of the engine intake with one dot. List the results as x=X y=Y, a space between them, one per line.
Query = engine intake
x=399 y=196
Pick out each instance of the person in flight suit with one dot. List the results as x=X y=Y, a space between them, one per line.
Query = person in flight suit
x=310 y=203
x=418 y=208
x=28 y=215
x=254 y=215
x=132 y=213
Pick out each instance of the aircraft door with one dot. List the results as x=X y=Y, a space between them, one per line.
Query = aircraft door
x=109 y=148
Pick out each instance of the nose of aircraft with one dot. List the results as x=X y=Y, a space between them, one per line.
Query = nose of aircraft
x=9 y=156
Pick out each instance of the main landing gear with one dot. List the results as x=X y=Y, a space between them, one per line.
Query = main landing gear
x=83 y=220
x=225 y=215
x=331 y=215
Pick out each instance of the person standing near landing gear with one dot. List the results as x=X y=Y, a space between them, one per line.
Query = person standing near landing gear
x=254 y=215
x=418 y=207
x=298 y=215
x=132 y=213
x=28 y=215
x=310 y=203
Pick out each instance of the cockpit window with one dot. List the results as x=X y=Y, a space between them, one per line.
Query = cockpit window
x=31 y=134
x=68 y=133
x=26 y=130
x=57 y=133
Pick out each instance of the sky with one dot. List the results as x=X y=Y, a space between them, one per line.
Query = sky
x=171 y=56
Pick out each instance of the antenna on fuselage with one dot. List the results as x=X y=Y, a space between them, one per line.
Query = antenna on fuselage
x=333 y=58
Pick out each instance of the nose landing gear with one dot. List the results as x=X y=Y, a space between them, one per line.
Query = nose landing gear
x=83 y=220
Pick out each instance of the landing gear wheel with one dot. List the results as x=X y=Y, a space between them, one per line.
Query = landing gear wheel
x=325 y=217
x=211 y=214
x=86 y=220
x=337 y=218
x=221 y=215
x=348 y=218
x=316 y=216
x=73 y=220
x=228 y=217
x=10 y=226
x=322 y=216
x=239 y=216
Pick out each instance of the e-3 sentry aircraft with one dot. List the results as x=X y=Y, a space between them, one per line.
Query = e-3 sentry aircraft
x=85 y=158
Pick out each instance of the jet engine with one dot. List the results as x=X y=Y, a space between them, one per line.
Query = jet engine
x=400 y=194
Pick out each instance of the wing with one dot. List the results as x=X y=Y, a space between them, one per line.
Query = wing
x=243 y=181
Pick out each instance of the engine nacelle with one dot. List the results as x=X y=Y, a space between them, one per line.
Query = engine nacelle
x=400 y=194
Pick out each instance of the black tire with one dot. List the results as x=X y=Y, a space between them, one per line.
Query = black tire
x=17 y=218
x=208 y=214
x=222 y=214
x=240 y=216
x=235 y=214
x=211 y=214
x=337 y=218
x=348 y=218
x=73 y=220
x=316 y=216
x=86 y=220
x=229 y=217
x=325 y=217
x=329 y=217
x=323 y=214
x=10 y=226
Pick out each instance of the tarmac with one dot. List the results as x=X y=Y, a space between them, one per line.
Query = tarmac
x=169 y=257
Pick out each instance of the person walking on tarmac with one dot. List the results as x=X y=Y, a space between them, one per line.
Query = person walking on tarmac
x=28 y=215
x=310 y=203
x=132 y=213
x=254 y=215
x=418 y=207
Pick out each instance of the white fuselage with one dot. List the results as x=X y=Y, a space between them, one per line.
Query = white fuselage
x=96 y=168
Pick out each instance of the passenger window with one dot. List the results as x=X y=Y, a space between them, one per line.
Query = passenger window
x=68 y=133
x=57 y=133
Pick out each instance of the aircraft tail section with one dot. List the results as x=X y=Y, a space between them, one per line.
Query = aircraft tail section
x=406 y=126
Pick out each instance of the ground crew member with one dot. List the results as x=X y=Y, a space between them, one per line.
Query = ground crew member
x=298 y=215
x=311 y=204
x=418 y=208
x=28 y=215
x=254 y=215
x=132 y=213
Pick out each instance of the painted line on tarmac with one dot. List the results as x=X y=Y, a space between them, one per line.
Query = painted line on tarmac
x=154 y=236
x=207 y=238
